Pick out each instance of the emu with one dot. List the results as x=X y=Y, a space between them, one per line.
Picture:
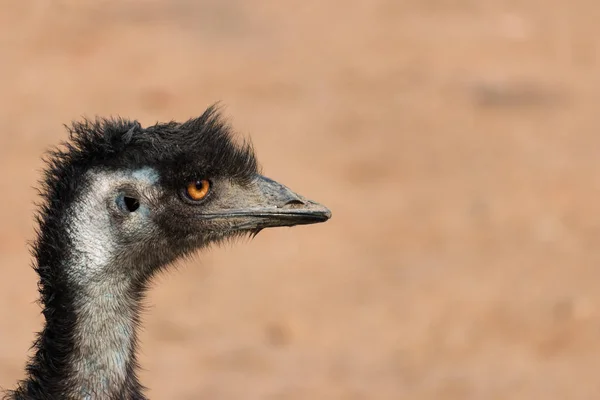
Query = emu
x=120 y=203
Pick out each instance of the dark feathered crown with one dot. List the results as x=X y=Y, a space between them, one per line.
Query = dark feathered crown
x=205 y=142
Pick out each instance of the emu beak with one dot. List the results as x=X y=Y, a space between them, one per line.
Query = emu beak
x=283 y=207
x=266 y=204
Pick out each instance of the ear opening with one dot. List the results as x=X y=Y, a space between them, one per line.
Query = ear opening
x=131 y=203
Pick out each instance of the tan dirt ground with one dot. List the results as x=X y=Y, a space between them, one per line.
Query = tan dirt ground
x=456 y=142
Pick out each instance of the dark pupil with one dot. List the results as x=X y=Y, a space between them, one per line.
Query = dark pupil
x=199 y=185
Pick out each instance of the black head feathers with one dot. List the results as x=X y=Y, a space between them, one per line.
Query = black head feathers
x=200 y=145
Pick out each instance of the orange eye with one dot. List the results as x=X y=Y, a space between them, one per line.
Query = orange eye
x=198 y=190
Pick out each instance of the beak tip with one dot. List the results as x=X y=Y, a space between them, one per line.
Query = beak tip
x=320 y=210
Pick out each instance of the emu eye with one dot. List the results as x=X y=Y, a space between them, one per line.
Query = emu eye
x=197 y=190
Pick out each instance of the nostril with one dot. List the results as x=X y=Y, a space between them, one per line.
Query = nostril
x=294 y=203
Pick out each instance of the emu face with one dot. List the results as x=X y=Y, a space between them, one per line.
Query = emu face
x=144 y=220
x=165 y=191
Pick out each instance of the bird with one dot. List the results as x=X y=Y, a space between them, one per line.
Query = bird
x=120 y=203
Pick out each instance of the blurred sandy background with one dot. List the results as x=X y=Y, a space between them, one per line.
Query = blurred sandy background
x=456 y=142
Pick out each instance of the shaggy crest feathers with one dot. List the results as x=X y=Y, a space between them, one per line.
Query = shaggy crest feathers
x=121 y=143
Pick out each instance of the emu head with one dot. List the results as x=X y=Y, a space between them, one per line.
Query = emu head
x=134 y=199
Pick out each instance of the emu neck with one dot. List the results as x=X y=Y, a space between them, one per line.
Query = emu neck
x=91 y=295
x=104 y=347
x=87 y=347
